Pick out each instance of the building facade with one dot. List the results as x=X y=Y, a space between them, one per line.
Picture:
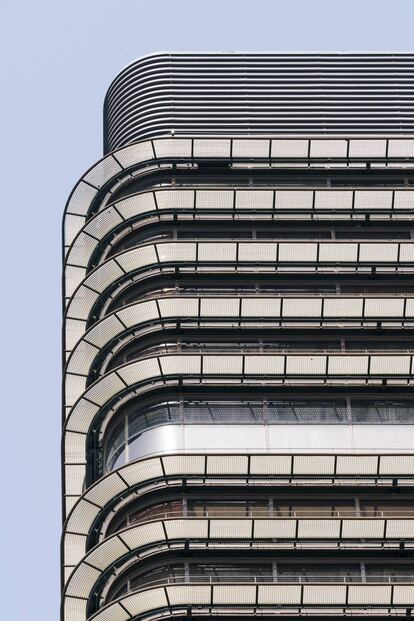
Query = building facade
x=238 y=434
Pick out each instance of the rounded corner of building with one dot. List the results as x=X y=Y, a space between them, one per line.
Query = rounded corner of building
x=129 y=67
x=115 y=91
x=238 y=345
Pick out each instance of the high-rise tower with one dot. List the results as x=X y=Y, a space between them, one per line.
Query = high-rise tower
x=238 y=434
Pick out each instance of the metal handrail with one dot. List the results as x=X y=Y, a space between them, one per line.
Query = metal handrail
x=264 y=513
x=277 y=579
x=257 y=349
x=209 y=293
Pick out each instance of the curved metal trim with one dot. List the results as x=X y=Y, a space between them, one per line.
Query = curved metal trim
x=338 y=597
x=126 y=542
x=279 y=148
x=247 y=255
x=260 y=310
x=156 y=470
x=249 y=368
x=273 y=201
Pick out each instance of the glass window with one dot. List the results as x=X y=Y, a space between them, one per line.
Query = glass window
x=134 y=419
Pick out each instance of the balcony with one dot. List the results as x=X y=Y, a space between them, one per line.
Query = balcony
x=253 y=595
x=249 y=257
x=384 y=524
x=256 y=598
x=225 y=512
x=262 y=578
x=233 y=307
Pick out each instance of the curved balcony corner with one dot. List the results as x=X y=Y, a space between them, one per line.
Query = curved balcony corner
x=165 y=600
x=160 y=471
x=239 y=343
x=103 y=177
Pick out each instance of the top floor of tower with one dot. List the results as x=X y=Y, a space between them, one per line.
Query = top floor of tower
x=261 y=94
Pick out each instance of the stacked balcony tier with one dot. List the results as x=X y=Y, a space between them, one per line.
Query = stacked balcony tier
x=238 y=349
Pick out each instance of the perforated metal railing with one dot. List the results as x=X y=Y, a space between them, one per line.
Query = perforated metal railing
x=301 y=204
x=154 y=260
x=312 y=512
x=186 y=347
x=96 y=187
x=206 y=308
x=336 y=599
x=288 y=578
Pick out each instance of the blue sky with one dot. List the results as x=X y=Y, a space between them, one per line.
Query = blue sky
x=59 y=57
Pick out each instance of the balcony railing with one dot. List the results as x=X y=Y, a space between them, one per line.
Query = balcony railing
x=311 y=513
x=288 y=578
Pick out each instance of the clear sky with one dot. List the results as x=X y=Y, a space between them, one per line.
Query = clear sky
x=59 y=56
